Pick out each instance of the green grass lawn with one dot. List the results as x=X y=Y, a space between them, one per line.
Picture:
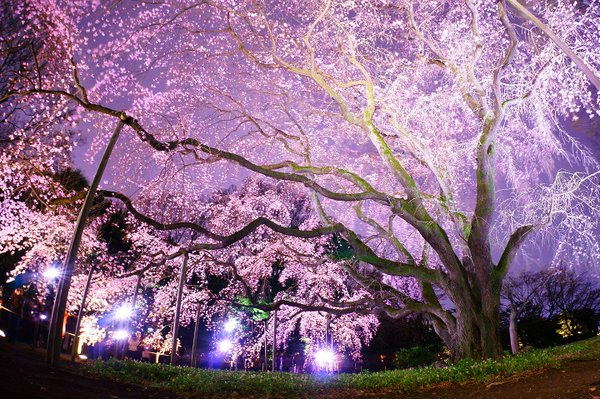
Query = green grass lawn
x=217 y=383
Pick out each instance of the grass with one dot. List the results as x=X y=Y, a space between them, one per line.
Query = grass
x=217 y=383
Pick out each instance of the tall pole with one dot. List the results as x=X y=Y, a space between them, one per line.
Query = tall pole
x=178 y=308
x=265 y=365
x=138 y=283
x=195 y=340
x=273 y=366
x=328 y=341
x=60 y=303
x=80 y=314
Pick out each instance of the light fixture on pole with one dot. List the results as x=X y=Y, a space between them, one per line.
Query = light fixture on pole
x=123 y=312
x=52 y=273
x=225 y=345
x=121 y=334
x=230 y=325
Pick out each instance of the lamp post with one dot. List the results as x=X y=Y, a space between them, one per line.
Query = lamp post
x=274 y=360
x=80 y=314
x=178 y=308
x=122 y=314
x=50 y=274
x=195 y=341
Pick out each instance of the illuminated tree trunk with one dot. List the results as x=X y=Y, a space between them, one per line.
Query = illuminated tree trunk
x=60 y=303
x=513 y=332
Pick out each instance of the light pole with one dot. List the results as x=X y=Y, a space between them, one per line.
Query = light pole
x=122 y=314
x=80 y=314
x=274 y=340
x=195 y=341
x=178 y=308
x=51 y=274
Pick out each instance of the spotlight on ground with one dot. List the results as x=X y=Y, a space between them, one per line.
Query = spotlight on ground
x=324 y=357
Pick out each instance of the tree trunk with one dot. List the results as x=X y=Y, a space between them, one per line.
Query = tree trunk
x=512 y=330
x=475 y=332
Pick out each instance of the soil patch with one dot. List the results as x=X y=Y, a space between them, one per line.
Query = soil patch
x=574 y=379
x=24 y=374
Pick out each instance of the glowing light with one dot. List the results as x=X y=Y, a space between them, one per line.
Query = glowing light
x=121 y=334
x=43 y=317
x=123 y=312
x=51 y=273
x=2 y=334
x=225 y=345
x=83 y=357
x=324 y=357
x=230 y=325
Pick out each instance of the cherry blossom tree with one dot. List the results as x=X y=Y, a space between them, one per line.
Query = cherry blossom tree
x=264 y=270
x=430 y=135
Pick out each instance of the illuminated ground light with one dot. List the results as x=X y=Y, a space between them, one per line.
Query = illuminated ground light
x=83 y=357
x=324 y=358
x=2 y=334
x=43 y=317
x=225 y=345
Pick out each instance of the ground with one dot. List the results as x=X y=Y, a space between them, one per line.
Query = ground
x=574 y=379
x=25 y=375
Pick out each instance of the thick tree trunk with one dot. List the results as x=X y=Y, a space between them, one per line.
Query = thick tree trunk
x=475 y=333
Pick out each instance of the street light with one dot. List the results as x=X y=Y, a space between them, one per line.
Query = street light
x=225 y=345
x=121 y=334
x=52 y=273
x=230 y=325
x=123 y=312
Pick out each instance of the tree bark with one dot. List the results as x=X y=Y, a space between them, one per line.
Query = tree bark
x=513 y=332
x=474 y=333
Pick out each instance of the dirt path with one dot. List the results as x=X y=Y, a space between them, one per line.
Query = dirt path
x=575 y=379
x=23 y=374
